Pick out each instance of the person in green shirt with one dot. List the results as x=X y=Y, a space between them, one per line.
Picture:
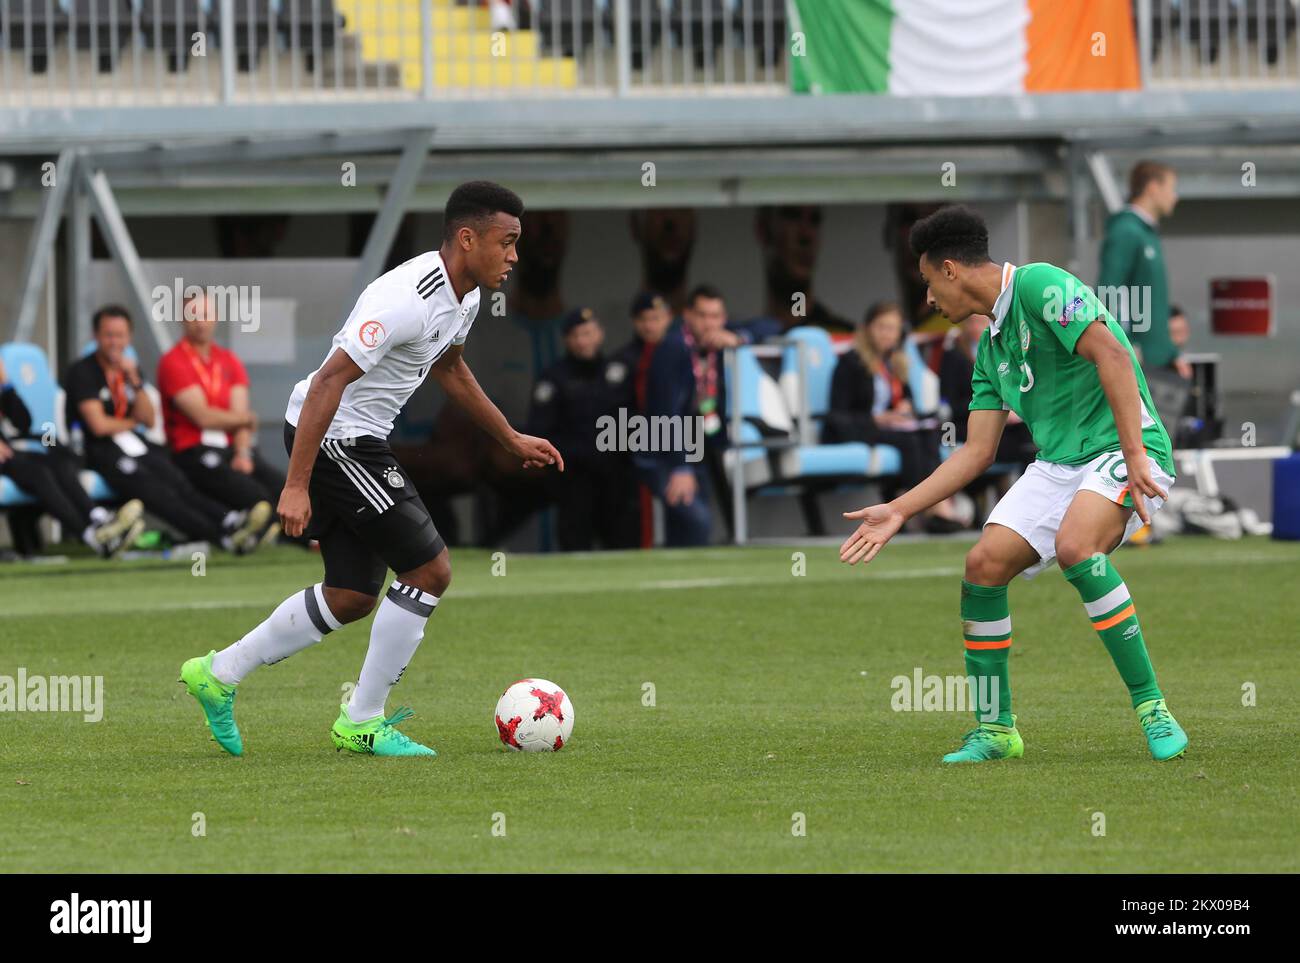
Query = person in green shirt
x=1056 y=357
x=1132 y=281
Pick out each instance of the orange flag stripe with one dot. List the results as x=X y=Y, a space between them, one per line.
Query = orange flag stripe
x=1081 y=46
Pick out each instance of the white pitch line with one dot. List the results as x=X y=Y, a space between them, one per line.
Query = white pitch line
x=516 y=589
x=660 y=585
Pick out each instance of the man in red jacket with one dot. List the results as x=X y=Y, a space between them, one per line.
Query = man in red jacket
x=209 y=423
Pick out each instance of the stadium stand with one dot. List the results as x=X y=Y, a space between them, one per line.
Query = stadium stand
x=584 y=91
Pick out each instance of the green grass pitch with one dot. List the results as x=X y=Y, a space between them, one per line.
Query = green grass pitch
x=772 y=698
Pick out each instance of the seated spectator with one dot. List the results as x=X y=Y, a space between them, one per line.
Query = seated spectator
x=872 y=403
x=50 y=477
x=210 y=426
x=685 y=381
x=955 y=373
x=106 y=398
x=596 y=494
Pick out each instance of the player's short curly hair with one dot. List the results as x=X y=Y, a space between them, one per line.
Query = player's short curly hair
x=954 y=233
x=474 y=202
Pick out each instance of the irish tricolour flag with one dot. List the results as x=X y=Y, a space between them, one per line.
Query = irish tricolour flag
x=961 y=47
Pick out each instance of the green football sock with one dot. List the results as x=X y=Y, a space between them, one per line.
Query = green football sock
x=1106 y=599
x=986 y=628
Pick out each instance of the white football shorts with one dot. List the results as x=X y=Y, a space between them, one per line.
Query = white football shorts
x=1036 y=504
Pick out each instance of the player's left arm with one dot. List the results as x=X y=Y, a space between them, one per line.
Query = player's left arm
x=1115 y=371
x=462 y=387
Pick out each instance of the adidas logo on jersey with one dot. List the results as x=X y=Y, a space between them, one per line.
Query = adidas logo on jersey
x=436 y=336
x=430 y=283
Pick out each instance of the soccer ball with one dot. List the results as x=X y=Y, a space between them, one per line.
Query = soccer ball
x=534 y=715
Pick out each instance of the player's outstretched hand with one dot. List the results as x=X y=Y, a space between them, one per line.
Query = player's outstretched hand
x=536 y=452
x=880 y=523
x=1142 y=485
x=294 y=511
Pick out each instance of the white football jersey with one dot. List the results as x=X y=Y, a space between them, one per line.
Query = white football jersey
x=401 y=325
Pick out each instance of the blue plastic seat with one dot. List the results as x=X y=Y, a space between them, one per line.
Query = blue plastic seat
x=818 y=460
x=29 y=372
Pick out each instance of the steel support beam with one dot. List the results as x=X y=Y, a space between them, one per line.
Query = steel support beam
x=104 y=206
x=163 y=155
x=390 y=215
x=78 y=263
x=1103 y=175
x=40 y=247
x=1079 y=195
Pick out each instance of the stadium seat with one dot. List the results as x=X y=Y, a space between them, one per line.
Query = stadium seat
x=645 y=31
x=766 y=32
x=769 y=409
x=823 y=467
x=310 y=27
x=253 y=21
x=168 y=27
x=36 y=28
x=850 y=459
x=102 y=27
x=923 y=382
x=568 y=27
x=29 y=372
x=700 y=25
x=763 y=419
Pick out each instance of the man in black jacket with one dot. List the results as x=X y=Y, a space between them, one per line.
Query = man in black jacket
x=50 y=478
x=596 y=495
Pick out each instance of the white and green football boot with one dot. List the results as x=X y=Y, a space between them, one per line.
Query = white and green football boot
x=217 y=699
x=377 y=736
x=989 y=741
x=1165 y=737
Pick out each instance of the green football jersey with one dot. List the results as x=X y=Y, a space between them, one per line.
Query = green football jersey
x=1026 y=364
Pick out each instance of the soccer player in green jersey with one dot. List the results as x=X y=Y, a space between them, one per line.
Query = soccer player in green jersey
x=1059 y=360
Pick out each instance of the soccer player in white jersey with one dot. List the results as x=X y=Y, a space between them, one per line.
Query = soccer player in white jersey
x=346 y=489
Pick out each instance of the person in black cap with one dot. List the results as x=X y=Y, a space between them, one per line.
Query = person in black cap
x=596 y=496
x=651 y=318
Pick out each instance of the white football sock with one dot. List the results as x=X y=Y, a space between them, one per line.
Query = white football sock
x=301 y=620
x=394 y=637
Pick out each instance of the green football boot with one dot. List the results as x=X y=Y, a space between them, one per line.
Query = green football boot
x=988 y=741
x=1165 y=736
x=377 y=736
x=217 y=701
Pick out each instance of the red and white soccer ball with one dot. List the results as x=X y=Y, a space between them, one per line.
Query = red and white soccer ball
x=534 y=715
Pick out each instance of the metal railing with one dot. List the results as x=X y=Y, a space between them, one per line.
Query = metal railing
x=57 y=53
x=1217 y=44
